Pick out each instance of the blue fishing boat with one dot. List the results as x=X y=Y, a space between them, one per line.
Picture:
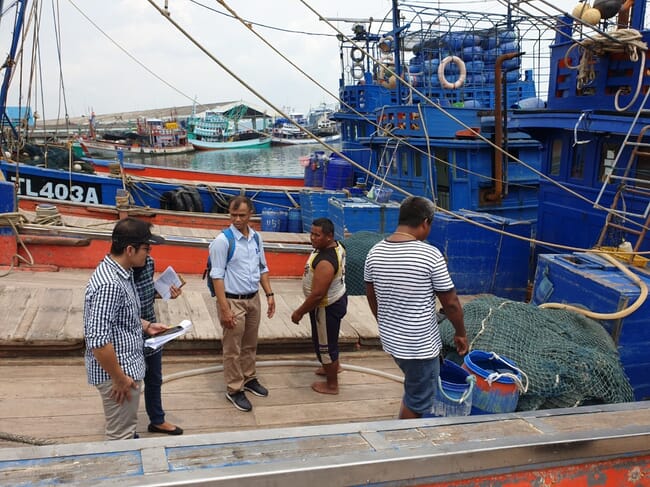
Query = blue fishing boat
x=425 y=109
x=595 y=193
x=436 y=124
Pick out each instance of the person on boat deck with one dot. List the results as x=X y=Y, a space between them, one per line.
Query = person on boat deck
x=403 y=276
x=144 y=284
x=326 y=301
x=236 y=283
x=113 y=329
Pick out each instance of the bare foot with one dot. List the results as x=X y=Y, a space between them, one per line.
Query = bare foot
x=321 y=371
x=323 y=388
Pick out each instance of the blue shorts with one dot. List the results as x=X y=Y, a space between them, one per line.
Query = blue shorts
x=420 y=382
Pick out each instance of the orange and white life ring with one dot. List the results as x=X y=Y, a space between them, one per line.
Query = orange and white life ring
x=461 y=78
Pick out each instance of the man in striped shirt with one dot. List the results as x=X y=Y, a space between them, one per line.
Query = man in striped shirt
x=403 y=276
x=113 y=328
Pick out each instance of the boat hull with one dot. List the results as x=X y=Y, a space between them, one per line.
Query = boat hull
x=204 y=145
x=106 y=190
x=304 y=140
x=108 y=149
x=105 y=166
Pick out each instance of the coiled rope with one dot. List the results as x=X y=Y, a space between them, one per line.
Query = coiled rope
x=628 y=41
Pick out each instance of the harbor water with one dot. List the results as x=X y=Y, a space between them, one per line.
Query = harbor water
x=271 y=161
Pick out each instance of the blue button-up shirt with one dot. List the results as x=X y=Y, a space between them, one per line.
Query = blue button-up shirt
x=242 y=275
x=112 y=315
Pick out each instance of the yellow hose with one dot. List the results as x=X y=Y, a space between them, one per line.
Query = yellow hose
x=609 y=316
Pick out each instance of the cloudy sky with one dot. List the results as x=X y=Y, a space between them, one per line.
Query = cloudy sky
x=123 y=55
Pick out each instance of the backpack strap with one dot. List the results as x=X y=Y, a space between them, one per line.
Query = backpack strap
x=231 y=245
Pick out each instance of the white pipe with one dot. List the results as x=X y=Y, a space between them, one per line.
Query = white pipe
x=282 y=363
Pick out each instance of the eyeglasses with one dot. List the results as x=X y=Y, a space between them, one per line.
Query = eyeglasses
x=145 y=246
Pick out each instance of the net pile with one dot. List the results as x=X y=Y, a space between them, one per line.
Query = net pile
x=357 y=246
x=570 y=360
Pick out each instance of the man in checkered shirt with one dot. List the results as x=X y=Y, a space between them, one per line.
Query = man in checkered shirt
x=113 y=328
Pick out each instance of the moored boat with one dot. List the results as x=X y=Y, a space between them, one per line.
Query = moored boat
x=152 y=136
x=212 y=130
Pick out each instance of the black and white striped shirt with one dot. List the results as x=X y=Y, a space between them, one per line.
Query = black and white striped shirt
x=112 y=315
x=406 y=276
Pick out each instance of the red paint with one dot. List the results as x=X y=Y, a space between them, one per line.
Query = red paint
x=8 y=248
x=187 y=260
x=175 y=173
x=622 y=472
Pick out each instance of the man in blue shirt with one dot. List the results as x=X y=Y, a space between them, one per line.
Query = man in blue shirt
x=236 y=283
x=113 y=327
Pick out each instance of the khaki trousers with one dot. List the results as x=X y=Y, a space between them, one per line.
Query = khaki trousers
x=240 y=343
x=121 y=419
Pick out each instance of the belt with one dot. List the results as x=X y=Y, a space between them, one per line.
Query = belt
x=241 y=296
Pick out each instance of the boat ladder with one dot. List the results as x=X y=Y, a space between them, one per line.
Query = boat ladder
x=633 y=180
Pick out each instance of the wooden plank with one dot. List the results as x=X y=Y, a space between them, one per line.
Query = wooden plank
x=51 y=315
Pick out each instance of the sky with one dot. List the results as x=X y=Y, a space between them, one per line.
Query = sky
x=98 y=75
x=123 y=55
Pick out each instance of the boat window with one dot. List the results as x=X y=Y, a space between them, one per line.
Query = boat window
x=643 y=170
x=607 y=159
x=556 y=158
x=578 y=162
x=417 y=164
x=404 y=162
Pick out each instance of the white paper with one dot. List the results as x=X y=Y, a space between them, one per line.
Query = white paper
x=157 y=341
x=165 y=281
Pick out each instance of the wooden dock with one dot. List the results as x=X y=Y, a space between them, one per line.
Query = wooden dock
x=45 y=315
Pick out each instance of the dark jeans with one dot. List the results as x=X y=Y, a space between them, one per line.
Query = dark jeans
x=152 y=386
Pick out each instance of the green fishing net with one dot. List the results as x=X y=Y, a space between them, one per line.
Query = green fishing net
x=357 y=246
x=570 y=360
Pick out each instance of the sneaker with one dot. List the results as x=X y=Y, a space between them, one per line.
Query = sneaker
x=240 y=401
x=254 y=387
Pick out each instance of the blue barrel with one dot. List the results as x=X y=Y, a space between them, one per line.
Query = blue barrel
x=315 y=169
x=7 y=204
x=339 y=173
x=497 y=382
x=274 y=220
x=295 y=220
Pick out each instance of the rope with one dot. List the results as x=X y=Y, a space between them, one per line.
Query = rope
x=48 y=215
x=495 y=376
x=14 y=220
x=643 y=294
x=625 y=40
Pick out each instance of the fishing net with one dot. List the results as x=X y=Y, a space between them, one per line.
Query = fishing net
x=357 y=246
x=569 y=359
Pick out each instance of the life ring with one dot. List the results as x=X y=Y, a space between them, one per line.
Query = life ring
x=357 y=55
x=357 y=71
x=461 y=78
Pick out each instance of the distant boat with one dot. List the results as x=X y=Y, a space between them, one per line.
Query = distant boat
x=215 y=131
x=288 y=131
x=153 y=136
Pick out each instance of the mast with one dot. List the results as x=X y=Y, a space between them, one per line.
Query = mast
x=10 y=62
x=396 y=54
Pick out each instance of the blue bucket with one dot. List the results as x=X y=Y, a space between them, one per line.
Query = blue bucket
x=498 y=381
x=454 y=392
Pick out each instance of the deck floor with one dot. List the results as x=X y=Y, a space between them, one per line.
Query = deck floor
x=46 y=308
